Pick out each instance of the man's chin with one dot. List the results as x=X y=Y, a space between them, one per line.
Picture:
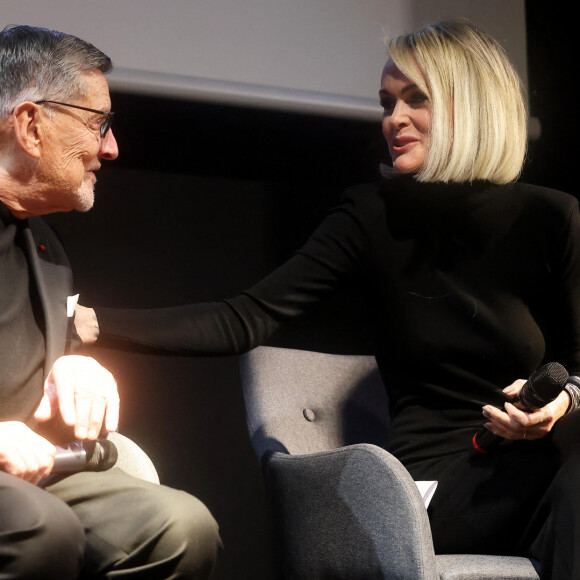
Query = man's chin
x=85 y=198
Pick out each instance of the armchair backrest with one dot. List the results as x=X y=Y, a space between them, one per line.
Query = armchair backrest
x=302 y=402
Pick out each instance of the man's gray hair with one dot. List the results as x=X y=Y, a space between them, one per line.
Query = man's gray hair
x=39 y=64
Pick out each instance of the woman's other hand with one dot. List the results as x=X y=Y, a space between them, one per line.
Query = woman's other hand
x=86 y=324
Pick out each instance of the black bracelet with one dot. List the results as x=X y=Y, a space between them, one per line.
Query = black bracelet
x=573 y=390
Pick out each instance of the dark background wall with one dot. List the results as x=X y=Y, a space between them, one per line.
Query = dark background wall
x=202 y=202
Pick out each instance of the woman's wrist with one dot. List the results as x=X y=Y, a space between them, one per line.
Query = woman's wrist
x=573 y=390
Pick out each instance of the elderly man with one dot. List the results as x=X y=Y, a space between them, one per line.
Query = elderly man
x=55 y=130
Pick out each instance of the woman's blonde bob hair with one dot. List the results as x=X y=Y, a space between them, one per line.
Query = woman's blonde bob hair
x=478 y=111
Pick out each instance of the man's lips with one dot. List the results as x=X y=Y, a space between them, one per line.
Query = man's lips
x=91 y=175
x=92 y=171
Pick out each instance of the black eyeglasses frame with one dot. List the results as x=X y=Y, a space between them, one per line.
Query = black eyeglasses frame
x=105 y=125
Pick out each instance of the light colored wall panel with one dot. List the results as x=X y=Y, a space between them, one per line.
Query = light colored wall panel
x=322 y=56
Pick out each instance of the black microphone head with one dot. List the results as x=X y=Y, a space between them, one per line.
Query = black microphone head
x=544 y=385
x=101 y=454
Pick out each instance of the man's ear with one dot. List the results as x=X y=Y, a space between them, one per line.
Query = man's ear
x=27 y=121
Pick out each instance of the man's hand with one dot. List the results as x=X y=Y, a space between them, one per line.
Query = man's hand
x=516 y=423
x=23 y=453
x=84 y=392
x=86 y=324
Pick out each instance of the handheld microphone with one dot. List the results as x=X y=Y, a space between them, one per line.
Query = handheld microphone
x=86 y=455
x=543 y=386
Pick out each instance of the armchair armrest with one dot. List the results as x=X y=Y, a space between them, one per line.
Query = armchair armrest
x=355 y=509
x=132 y=459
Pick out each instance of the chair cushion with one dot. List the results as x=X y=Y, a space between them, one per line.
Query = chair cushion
x=475 y=567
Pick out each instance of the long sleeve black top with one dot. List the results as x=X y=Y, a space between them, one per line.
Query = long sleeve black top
x=471 y=286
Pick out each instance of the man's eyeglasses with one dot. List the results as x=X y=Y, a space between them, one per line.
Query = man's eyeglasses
x=105 y=125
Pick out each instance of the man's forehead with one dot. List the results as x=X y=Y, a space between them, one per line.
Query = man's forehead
x=96 y=89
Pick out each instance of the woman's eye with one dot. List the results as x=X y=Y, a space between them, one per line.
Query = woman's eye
x=413 y=100
x=418 y=99
x=387 y=104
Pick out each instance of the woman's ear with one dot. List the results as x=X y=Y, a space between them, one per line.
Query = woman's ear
x=27 y=122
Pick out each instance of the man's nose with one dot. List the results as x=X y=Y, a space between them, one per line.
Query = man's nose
x=109 y=149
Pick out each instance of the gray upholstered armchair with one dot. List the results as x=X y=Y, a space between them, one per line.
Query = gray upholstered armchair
x=132 y=459
x=345 y=507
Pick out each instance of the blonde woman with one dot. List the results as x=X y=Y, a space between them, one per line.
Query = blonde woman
x=472 y=282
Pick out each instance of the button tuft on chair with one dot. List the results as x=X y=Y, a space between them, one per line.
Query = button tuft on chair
x=309 y=415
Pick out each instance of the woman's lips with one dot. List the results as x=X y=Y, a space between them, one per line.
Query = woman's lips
x=401 y=144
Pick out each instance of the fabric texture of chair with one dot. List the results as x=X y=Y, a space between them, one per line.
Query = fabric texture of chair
x=344 y=506
x=132 y=459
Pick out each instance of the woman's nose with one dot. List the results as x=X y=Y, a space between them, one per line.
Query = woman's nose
x=399 y=116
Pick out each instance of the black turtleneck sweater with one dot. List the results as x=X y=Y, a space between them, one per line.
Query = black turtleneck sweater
x=470 y=287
